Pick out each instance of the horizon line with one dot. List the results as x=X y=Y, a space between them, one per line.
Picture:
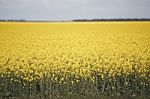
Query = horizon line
x=76 y=20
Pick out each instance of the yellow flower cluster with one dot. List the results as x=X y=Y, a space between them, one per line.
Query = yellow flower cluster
x=72 y=58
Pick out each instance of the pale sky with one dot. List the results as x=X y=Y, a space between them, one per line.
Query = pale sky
x=73 y=9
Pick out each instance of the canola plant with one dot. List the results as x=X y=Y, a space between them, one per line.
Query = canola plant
x=36 y=60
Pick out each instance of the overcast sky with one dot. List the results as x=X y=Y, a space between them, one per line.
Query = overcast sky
x=73 y=9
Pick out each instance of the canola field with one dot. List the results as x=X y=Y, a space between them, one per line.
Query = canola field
x=74 y=58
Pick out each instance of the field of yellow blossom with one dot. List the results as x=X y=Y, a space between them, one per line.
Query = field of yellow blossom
x=74 y=59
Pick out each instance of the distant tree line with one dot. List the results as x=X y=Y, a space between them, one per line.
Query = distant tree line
x=78 y=20
x=120 y=19
x=12 y=20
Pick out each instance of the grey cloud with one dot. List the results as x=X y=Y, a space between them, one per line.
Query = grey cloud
x=70 y=9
